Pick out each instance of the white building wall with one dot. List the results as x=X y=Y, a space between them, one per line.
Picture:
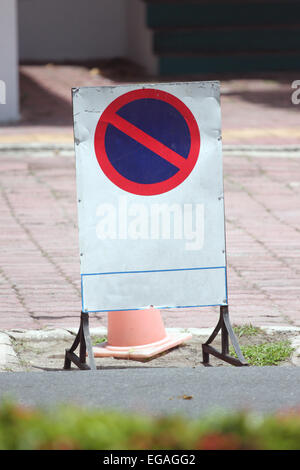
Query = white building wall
x=9 y=84
x=60 y=30
x=68 y=30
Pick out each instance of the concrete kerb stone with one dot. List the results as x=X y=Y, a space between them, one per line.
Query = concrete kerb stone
x=37 y=149
x=296 y=354
x=46 y=149
x=9 y=358
x=54 y=334
x=262 y=149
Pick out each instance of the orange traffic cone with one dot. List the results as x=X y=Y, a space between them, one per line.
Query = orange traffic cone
x=137 y=334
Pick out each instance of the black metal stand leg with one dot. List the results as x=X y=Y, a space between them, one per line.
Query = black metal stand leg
x=83 y=340
x=226 y=333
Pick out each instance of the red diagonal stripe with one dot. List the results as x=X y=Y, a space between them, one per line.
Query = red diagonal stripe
x=146 y=140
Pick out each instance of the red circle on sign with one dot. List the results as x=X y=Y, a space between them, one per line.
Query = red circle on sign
x=109 y=116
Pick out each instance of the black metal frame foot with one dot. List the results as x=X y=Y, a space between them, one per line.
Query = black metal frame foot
x=83 y=340
x=226 y=333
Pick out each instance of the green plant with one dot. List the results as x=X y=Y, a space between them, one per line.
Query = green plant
x=247 y=330
x=266 y=354
x=69 y=428
x=99 y=340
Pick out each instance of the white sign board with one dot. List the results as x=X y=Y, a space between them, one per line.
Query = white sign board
x=150 y=196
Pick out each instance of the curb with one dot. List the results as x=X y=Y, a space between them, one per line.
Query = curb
x=9 y=358
x=67 y=149
x=39 y=148
x=262 y=151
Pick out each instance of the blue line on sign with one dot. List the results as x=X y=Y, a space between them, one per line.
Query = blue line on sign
x=226 y=288
x=81 y=283
x=142 y=308
x=152 y=271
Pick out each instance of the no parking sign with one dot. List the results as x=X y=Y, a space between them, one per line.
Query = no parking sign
x=135 y=138
x=150 y=196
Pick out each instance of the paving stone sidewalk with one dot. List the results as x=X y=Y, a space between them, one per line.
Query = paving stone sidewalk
x=39 y=258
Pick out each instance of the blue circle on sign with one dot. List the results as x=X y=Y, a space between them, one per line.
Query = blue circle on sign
x=161 y=121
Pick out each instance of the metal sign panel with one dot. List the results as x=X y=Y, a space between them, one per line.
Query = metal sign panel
x=150 y=196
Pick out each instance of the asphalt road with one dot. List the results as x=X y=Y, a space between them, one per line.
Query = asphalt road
x=159 y=391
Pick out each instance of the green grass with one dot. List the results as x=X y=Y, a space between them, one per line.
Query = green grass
x=247 y=330
x=266 y=354
x=99 y=340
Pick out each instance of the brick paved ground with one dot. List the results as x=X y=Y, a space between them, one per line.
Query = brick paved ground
x=39 y=249
x=39 y=263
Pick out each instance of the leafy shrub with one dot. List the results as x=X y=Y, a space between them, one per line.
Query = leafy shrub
x=75 y=428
